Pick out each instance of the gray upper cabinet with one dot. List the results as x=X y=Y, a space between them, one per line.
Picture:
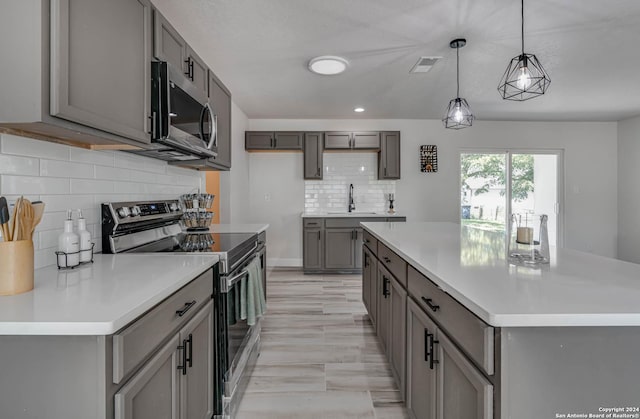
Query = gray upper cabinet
x=389 y=158
x=220 y=100
x=169 y=46
x=100 y=65
x=313 y=148
x=365 y=140
x=268 y=140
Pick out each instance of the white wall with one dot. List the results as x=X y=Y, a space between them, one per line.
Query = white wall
x=629 y=189
x=234 y=184
x=69 y=178
x=590 y=171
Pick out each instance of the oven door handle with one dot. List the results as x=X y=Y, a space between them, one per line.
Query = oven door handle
x=230 y=282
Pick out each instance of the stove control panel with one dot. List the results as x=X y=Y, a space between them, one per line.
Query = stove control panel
x=125 y=212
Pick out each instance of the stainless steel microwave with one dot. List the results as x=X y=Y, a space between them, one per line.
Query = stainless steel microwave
x=182 y=116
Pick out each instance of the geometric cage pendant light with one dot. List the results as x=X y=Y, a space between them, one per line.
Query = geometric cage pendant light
x=525 y=78
x=458 y=114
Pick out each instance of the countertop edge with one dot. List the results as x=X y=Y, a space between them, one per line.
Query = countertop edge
x=356 y=215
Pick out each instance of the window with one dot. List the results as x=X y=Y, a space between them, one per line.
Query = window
x=496 y=184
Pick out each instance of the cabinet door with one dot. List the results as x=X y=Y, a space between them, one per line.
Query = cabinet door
x=337 y=140
x=339 y=248
x=220 y=101
x=464 y=393
x=368 y=280
x=384 y=305
x=397 y=334
x=358 y=247
x=288 y=141
x=197 y=71
x=168 y=45
x=421 y=375
x=313 y=155
x=153 y=392
x=389 y=159
x=258 y=140
x=101 y=64
x=366 y=140
x=313 y=248
x=196 y=386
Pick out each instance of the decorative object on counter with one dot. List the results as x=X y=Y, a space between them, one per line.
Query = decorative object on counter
x=66 y=260
x=524 y=78
x=391 y=198
x=68 y=254
x=86 y=247
x=195 y=216
x=524 y=249
x=458 y=114
x=429 y=158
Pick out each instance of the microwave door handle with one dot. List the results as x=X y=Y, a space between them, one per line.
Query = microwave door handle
x=213 y=141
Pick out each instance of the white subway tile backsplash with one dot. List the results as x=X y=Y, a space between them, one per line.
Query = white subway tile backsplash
x=23 y=185
x=70 y=178
x=58 y=168
x=340 y=170
x=12 y=144
x=15 y=165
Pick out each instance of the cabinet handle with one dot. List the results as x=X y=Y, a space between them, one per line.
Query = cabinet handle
x=183 y=348
x=190 y=356
x=432 y=358
x=426 y=345
x=187 y=307
x=366 y=260
x=366 y=240
x=318 y=235
x=429 y=303
x=385 y=286
x=386 y=259
x=189 y=72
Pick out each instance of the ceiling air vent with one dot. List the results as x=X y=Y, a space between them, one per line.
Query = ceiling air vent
x=424 y=64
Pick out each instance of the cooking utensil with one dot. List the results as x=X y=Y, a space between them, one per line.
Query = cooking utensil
x=4 y=219
x=38 y=211
x=14 y=219
x=26 y=220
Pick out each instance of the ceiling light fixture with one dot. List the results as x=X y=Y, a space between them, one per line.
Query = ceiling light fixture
x=525 y=77
x=328 y=65
x=458 y=112
x=358 y=109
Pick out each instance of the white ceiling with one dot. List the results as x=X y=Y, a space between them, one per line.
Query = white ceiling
x=260 y=49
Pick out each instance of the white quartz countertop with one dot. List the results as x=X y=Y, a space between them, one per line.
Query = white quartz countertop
x=98 y=298
x=349 y=214
x=576 y=289
x=238 y=228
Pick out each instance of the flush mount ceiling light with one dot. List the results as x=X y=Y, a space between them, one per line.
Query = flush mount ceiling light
x=525 y=77
x=358 y=109
x=458 y=112
x=328 y=65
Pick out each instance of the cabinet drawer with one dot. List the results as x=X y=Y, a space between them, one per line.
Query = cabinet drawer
x=350 y=222
x=370 y=241
x=394 y=263
x=134 y=343
x=313 y=222
x=474 y=336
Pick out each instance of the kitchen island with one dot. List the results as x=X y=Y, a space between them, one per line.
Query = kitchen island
x=487 y=339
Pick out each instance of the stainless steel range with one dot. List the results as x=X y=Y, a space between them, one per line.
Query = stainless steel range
x=154 y=226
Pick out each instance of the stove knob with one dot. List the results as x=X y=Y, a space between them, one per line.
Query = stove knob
x=135 y=211
x=124 y=212
x=173 y=207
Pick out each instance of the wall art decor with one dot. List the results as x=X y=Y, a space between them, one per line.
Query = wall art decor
x=428 y=158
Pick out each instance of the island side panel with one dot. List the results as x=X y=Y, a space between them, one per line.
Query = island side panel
x=547 y=372
x=40 y=374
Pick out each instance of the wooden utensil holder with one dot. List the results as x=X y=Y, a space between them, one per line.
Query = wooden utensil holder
x=16 y=267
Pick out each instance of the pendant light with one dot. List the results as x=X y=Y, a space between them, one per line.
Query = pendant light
x=525 y=77
x=458 y=112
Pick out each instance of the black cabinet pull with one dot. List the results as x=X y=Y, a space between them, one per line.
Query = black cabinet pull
x=188 y=63
x=190 y=356
x=187 y=307
x=386 y=259
x=429 y=303
x=432 y=358
x=426 y=345
x=366 y=260
x=385 y=286
x=366 y=240
x=183 y=348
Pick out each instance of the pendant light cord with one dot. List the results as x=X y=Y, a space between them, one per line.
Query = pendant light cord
x=458 y=70
x=522 y=20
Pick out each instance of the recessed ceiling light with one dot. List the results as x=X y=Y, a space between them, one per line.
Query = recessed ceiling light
x=358 y=109
x=328 y=65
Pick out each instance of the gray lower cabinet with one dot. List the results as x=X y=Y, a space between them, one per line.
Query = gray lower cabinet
x=340 y=248
x=383 y=316
x=441 y=382
x=100 y=55
x=389 y=157
x=313 y=246
x=313 y=148
x=267 y=140
x=220 y=101
x=369 y=286
x=396 y=345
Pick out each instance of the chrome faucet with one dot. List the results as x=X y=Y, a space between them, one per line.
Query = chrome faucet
x=352 y=205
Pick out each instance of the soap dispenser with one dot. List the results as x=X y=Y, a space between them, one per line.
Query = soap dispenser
x=85 y=239
x=69 y=243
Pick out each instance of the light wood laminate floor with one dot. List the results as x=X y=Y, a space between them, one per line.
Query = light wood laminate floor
x=320 y=357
